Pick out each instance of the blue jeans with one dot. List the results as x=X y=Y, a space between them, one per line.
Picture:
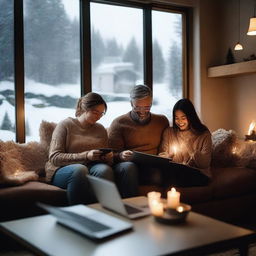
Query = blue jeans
x=73 y=178
x=126 y=174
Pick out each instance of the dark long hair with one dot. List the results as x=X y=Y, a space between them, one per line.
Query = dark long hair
x=187 y=107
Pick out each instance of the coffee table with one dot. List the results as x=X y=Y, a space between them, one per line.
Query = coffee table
x=199 y=235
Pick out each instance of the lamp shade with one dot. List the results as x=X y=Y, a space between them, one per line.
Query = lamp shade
x=252 y=27
x=238 y=47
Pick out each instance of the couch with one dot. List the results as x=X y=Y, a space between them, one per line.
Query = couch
x=230 y=195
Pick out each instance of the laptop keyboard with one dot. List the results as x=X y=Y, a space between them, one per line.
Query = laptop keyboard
x=90 y=224
x=131 y=210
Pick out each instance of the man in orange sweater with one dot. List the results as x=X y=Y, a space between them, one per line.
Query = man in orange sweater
x=138 y=130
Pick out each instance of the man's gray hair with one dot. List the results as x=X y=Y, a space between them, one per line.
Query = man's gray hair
x=140 y=91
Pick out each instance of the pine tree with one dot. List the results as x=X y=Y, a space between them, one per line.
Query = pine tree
x=113 y=49
x=6 y=39
x=132 y=54
x=175 y=69
x=47 y=41
x=98 y=48
x=7 y=124
x=158 y=63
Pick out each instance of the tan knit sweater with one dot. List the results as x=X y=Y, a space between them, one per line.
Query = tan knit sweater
x=71 y=142
x=188 y=148
x=124 y=133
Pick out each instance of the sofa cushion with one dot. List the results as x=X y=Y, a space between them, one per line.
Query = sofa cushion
x=20 y=201
x=32 y=192
x=233 y=181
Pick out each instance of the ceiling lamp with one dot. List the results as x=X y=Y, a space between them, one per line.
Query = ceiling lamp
x=252 y=26
x=238 y=46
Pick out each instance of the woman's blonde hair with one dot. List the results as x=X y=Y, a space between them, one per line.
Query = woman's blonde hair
x=89 y=101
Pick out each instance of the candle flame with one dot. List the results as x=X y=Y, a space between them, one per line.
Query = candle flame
x=234 y=150
x=174 y=148
x=180 y=209
x=251 y=127
x=16 y=173
x=173 y=190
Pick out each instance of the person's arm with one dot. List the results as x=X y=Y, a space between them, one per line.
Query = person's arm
x=201 y=157
x=165 y=144
x=115 y=136
x=57 y=152
x=116 y=140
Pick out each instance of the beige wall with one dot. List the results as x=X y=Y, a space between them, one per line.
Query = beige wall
x=228 y=103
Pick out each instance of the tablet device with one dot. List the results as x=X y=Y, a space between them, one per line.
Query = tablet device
x=105 y=150
x=154 y=160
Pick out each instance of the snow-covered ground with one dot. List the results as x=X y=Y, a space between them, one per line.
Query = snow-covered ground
x=34 y=115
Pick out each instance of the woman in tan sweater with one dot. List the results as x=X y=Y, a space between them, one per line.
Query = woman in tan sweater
x=74 y=150
x=188 y=142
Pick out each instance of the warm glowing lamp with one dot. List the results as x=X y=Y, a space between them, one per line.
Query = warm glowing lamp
x=252 y=25
x=238 y=46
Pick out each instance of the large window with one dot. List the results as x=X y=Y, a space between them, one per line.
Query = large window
x=52 y=62
x=7 y=95
x=117 y=55
x=167 y=60
x=60 y=59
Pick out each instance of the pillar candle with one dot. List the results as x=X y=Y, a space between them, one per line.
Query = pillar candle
x=157 y=208
x=173 y=198
x=153 y=196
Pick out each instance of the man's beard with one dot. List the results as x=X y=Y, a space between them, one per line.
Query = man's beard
x=135 y=117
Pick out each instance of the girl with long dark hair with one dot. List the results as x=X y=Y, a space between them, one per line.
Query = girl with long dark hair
x=187 y=142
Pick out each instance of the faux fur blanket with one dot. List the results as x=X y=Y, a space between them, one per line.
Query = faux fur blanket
x=20 y=163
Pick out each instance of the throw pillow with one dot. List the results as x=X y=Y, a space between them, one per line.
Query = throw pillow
x=228 y=150
x=223 y=148
x=45 y=132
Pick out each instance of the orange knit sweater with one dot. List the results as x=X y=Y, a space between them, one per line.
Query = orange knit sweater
x=124 y=133
x=70 y=144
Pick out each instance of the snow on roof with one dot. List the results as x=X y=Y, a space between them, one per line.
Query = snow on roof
x=114 y=67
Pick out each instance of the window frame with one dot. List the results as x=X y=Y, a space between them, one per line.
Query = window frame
x=85 y=48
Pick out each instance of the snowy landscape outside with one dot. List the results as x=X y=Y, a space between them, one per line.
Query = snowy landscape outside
x=52 y=71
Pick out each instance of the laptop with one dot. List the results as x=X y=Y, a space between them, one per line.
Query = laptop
x=109 y=198
x=87 y=221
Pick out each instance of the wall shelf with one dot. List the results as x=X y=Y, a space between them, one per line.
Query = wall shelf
x=232 y=70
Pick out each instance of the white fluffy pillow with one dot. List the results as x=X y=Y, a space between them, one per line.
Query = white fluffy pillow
x=228 y=150
x=222 y=152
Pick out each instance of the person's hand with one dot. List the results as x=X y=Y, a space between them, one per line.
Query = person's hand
x=126 y=155
x=165 y=155
x=94 y=155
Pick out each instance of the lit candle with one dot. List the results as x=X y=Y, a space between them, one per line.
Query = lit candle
x=180 y=209
x=16 y=173
x=174 y=149
x=153 y=196
x=157 y=208
x=234 y=150
x=173 y=198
